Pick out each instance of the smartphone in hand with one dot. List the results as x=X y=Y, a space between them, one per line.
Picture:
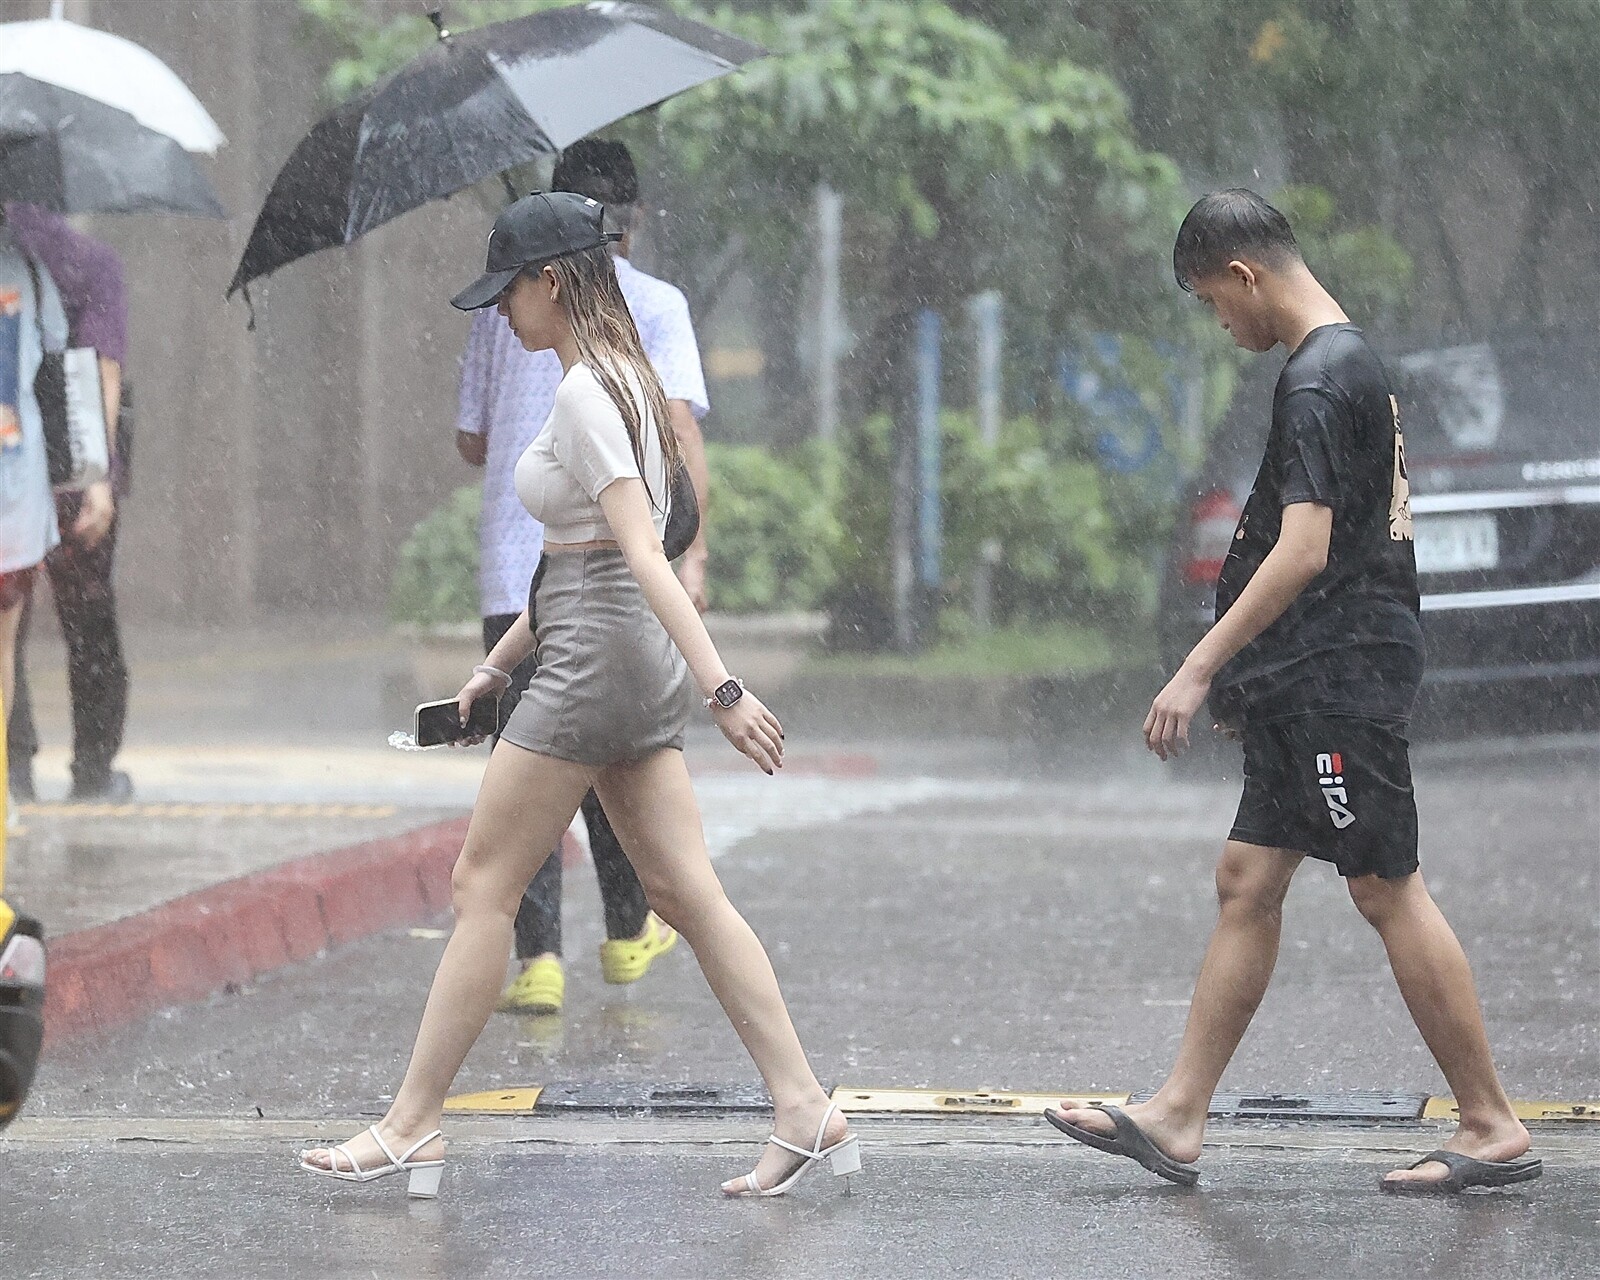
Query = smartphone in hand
x=440 y=722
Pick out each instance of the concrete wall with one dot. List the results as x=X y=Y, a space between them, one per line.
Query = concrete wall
x=277 y=471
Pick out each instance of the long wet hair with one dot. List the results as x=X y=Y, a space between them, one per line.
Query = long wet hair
x=608 y=342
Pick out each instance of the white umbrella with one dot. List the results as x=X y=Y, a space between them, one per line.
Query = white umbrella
x=115 y=71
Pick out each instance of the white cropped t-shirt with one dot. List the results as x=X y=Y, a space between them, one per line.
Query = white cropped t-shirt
x=582 y=449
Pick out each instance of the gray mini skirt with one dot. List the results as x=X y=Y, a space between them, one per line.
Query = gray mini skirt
x=610 y=685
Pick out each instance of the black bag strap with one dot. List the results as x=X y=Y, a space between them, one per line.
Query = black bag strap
x=38 y=293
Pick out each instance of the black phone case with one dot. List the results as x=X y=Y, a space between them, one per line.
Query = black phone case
x=440 y=722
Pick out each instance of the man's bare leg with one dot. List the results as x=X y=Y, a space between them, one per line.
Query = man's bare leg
x=1251 y=884
x=1436 y=983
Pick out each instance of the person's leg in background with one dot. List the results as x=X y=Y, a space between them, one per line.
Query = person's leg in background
x=635 y=936
x=14 y=590
x=97 y=672
x=22 y=738
x=540 y=985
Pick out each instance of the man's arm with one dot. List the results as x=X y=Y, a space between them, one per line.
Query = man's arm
x=99 y=506
x=472 y=418
x=687 y=429
x=1300 y=555
x=111 y=386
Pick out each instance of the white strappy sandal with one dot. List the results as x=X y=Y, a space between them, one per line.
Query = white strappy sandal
x=425 y=1174
x=843 y=1156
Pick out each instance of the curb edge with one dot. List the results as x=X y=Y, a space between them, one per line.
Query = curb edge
x=231 y=933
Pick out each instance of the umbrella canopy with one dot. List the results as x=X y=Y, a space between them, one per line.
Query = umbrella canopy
x=75 y=155
x=111 y=70
x=472 y=105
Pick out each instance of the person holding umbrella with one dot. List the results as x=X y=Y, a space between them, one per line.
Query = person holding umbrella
x=621 y=649
x=89 y=275
x=32 y=323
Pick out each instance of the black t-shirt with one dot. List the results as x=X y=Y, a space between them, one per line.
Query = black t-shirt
x=1352 y=640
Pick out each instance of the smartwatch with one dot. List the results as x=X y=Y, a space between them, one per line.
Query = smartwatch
x=726 y=694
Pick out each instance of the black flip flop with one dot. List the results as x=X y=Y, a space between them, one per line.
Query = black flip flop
x=1464 y=1172
x=1129 y=1140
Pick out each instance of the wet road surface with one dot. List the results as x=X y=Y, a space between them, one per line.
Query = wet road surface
x=1000 y=921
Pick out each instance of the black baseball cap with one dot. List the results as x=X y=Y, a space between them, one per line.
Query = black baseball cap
x=533 y=230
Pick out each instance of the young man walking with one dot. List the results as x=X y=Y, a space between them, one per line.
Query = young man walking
x=1315 y=661
x=88 y=273
x=506 y=395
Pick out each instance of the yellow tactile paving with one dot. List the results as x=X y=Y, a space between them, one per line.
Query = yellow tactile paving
x=994 y=1102
x=1445 y=1109
x=856 y=1100
x=178 y=811
x=496 y=1102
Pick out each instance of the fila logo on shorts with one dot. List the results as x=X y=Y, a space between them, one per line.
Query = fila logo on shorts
x=1330 y=777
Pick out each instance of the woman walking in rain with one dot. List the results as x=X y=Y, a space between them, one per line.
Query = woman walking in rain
x=620 y=647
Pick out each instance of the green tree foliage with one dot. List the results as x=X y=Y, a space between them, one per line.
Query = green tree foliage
x=966 y=159
x=1386 y=104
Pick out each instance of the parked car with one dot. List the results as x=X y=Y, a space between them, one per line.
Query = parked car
x=1503 y=446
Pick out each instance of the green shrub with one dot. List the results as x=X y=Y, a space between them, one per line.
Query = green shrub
x=1077 y=544
x=811 y=530
x=436 y=577
x=771 y=531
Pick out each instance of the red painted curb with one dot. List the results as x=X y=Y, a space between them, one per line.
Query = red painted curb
x=233 y=932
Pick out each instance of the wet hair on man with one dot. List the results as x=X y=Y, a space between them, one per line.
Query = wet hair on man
x=600 y=169
x=1227 y=226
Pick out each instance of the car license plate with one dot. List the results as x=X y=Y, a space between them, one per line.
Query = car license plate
x=1456 y=544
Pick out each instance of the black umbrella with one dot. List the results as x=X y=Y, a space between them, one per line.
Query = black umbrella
x=75 y=154
x=474 y=104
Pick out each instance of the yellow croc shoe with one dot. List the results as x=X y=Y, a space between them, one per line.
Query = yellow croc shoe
x=540 y=988
x=624 y=960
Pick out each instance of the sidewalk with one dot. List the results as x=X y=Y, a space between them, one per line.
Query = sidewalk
x=271 y=819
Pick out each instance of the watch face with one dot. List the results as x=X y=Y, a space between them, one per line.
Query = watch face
x=729 y=693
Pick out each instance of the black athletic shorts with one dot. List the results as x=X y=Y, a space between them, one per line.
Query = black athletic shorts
x=1336 y=787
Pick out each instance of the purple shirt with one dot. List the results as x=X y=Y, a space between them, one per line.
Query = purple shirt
x=87 y=272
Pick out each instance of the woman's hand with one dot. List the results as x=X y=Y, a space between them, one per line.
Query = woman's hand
x=1166 y=728
x=481 y=685
x=753 y=729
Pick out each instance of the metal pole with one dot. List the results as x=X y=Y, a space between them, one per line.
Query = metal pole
x=903 y=483
x=830 y=234
x=930 y=522
x=984 y=311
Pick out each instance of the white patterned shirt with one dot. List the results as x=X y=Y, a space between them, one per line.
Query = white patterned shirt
x=507 y=394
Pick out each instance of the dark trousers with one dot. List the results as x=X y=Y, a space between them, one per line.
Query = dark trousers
x=97 y=674
x=622 y=896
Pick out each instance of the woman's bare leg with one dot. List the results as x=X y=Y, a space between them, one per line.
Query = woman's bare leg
x=525 y=803
x=653 y=808
x=10 y=620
